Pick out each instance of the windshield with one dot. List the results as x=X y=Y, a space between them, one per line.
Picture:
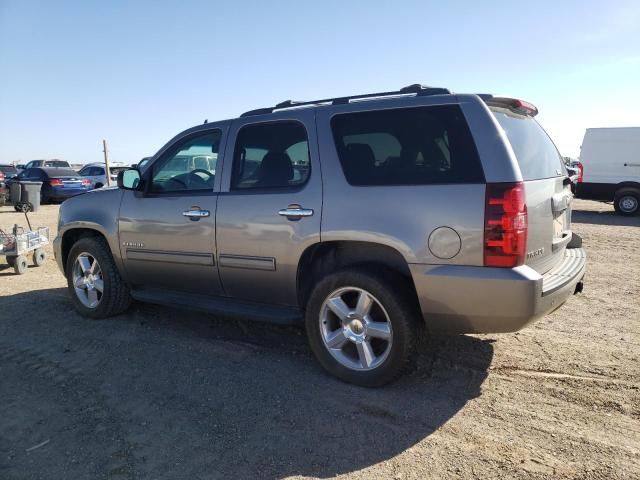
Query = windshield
x=537 y=156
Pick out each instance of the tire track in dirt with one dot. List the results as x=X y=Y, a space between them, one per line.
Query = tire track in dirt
x=51 y=407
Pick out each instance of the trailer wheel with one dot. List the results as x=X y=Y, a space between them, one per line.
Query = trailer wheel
x=20 y=265
x=39 y=257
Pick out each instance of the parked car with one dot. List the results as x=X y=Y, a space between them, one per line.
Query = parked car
x=47 y=163
x=610 y=168
x=57 y=183
x=6 y=172
x=371 y=219
x=95 y=172
x=574 y=168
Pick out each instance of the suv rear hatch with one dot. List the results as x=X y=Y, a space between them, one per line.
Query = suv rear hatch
x=546 y=183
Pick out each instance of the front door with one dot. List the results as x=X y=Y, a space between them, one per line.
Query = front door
x=167 y=231
x=269 y=207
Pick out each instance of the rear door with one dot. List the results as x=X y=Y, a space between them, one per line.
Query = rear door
x=270 y=206
x=547 y=189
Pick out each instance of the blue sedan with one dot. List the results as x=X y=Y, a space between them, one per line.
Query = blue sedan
x=58 y=183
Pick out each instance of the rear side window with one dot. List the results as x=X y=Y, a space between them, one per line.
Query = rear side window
x=537 y=156
x=408 y=146
x=271 y=155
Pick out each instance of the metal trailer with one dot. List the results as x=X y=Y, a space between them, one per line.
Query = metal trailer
x=16 y=246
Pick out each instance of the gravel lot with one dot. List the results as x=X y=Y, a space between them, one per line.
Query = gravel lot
x=160 y=393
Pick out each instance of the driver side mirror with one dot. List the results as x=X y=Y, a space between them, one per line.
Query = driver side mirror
x=129 y=179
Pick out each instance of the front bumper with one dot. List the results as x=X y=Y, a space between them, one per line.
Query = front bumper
x=57 y=252
x=460 y=299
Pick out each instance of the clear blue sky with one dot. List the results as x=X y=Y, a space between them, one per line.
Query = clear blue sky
x=136 y=73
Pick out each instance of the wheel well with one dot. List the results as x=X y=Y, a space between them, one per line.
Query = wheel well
x=99 y=185
x=626 y=186
x=72 y=236
x=323 y=258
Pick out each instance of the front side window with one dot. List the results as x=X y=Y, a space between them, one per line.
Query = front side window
x=408 y=146
x=188 y=166
x=271 y=155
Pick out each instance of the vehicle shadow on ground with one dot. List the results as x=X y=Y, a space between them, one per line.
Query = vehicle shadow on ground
x=7 y=271
x=604 y=218
x=240 y=399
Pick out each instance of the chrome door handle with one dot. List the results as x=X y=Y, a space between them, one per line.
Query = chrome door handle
x=295 y=212
x=196 y=214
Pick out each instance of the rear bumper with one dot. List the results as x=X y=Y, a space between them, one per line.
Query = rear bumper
x=63 y=194
x=460 y=299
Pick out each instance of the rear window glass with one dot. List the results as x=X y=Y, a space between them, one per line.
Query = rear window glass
x=8 y=170
x=408 y=146
x=537 y=156
x=61 y=172
x=56 y=163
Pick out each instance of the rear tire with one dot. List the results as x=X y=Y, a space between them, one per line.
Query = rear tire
x=95 y=270
x=385 y=359
x=39 y=257
x=627 y=202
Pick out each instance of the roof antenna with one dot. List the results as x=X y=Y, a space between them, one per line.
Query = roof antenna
x=206 y=120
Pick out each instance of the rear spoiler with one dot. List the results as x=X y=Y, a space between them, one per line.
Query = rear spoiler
x=513 y=104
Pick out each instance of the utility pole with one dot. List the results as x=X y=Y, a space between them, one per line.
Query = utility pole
x=105 y=150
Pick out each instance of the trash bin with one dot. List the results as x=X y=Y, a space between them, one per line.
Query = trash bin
x=14 y=194
x=30 y=194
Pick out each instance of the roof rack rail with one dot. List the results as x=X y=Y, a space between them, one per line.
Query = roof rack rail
x=416 y=89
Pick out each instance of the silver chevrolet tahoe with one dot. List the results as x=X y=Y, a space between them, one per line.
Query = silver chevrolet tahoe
x=371 y=219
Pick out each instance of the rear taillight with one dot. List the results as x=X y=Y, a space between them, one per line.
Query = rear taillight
x=505 y=225
x=580 y=172
x=86 y=181
x=1 y=176
x=55 y=182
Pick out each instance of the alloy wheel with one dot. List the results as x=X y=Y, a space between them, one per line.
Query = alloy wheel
x=87 y=280
x=356 y=329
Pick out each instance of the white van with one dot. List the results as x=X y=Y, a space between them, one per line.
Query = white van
x=610 y=168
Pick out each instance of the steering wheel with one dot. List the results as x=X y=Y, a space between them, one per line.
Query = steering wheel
x=202 y=170
x=178 y=181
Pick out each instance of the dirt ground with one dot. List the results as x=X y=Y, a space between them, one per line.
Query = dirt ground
x=167 y=394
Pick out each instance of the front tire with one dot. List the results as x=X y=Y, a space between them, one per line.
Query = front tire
x=627 y=202
x=362 y=326
x=20 y=264
x=95 y=285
